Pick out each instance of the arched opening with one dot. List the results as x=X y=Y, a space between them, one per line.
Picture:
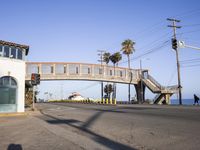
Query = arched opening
x=8 y=93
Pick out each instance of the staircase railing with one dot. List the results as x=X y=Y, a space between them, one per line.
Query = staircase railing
x=153 y=88
x=156 y=97
x=154 y=81
x=173 y=88
x=157 y=87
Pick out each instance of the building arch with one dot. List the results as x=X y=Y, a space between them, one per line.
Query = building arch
x=8 y=90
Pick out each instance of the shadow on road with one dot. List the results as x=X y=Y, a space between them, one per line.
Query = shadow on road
x=14 y=147
x=114 y=145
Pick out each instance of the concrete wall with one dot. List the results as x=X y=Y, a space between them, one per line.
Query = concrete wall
x=16 y=69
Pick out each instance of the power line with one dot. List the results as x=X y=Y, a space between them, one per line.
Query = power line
x=172 y=76
x=155 y=41
x=188 y=66
x=89 y=86
x=187 y=13
x=191 y=25
x=188 y=32
x=150 y=30
x=148 y=52
x=190 y=61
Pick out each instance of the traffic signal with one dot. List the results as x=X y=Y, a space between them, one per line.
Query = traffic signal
x=174 y=43
x=38 y=78
x=35 y=78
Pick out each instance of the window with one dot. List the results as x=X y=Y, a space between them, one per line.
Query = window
x=46 y=69
x=7 y=81
x=59 y=69
x=65 y=69
x=76 y=70
x=110 y=72
x=13 y=82
x=51 y=69
x=13 y=53
x=73 y=69
x=6 y=51
x=19 y=54
x=8 y=90
x=100 y=71
x=121 y=73
x=1 y=50
x=88 y=70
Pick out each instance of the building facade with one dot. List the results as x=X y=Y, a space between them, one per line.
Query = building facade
x=12 y=76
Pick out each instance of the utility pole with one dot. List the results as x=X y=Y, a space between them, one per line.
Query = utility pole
x=100 y=53
x=33 y=102
x=174 y=21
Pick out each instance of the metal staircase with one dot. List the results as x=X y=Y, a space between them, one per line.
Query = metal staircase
x=155 y=87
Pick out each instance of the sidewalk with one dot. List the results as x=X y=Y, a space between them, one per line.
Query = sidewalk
x=28 y=111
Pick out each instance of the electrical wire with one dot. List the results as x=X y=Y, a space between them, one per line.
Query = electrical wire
x=188 y=32
x=190 y=25
x=187 y=13
x=188 y=66
x=150 y=51
x=190 y=61
x=89 y=86
x=153 y=29
x=155 y=41
x=172 y=76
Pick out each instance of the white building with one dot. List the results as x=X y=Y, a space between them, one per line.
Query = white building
x=76 y=96
x=12 y=76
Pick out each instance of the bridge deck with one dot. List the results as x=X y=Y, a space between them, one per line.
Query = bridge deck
x=82 y=71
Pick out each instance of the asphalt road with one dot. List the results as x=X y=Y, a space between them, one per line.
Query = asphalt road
x=93 y=127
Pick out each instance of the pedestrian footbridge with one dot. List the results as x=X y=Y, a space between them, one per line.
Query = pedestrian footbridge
x=81 y=71
x=97 y=72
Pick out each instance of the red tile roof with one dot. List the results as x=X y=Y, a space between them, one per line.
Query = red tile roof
x=15 y=45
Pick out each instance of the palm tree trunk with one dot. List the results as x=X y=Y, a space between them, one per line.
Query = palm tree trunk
x=129 y=65
x=129 y=85
x=107 y=82
x=114 y=92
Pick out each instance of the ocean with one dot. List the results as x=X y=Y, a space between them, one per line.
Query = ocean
x=184 y=101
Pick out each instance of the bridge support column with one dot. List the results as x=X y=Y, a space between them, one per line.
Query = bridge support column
x=167 y=98
x=140 y=92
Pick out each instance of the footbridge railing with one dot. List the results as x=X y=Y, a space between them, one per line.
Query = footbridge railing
x=81 y=71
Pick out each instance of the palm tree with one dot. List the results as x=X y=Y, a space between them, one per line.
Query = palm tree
x=108 y=89
x=115 y=58
x=128 y=49
x=106 y=57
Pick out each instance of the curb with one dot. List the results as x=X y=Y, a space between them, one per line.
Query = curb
x=13 y=114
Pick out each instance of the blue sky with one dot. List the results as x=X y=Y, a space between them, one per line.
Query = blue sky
x=73 y=31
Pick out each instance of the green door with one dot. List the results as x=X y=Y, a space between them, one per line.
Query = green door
x=8 y=94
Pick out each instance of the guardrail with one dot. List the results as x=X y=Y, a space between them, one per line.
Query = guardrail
x=154 y=81
x=86 y=101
